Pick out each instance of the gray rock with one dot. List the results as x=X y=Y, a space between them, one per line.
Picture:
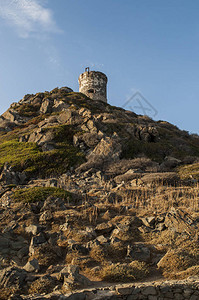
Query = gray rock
x=107 y=148
x=72 y=279
x=160 y=227
x=36 y=241
x=10 y=177
x=104 y=228
x=4 y=242
x=45 y=216
x=23 y=252
x=170 y=163
x=48 y=146
x=149 y=290
x=12 y=276
x=102 y=239
x=149 y=221
x=46 y=106
x=11 y=226
x=139 y=252
x=66 y=89
x=180 y=221
x=33 y=229
x=32 y=266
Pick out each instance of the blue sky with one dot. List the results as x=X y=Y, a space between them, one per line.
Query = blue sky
x=150 y=46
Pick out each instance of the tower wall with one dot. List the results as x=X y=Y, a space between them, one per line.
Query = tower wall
x=93 y=85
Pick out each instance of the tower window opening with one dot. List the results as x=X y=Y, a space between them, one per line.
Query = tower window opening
x=91 y=91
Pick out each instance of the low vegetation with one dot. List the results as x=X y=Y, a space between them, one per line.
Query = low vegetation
x=124 y=272
x=31 y=195
x=42 y=285
x=121 y=212
x=28 y=157
x=189 y=171
x=176 y=261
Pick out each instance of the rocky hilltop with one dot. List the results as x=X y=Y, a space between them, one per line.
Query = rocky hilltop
x=92 y=194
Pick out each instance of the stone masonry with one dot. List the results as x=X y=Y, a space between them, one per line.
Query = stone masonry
x=93 y=84
x=166 y=290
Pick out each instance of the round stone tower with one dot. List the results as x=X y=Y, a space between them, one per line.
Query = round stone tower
x=93 y=84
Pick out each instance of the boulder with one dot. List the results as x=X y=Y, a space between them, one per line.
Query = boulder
x=128 y=176
x=108 y=148
x=46 y=106
x=59 y=105
x=180 y=221
x=12 y=116
x=139 y=251
x=66 y=89
x=36 y=241
x=13 y=276
x=45 y=216
x=104 y=228
x=33 y=229
x=149 y=221
x=41 y=137
x=72 y=279
x=11 y=226
x=170 y=163
x=102 y=240
x=167 y=178
x=4 y=242
x=8 y=176
x=32 y=266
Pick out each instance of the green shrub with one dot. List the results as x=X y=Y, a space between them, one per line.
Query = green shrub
x=28 y=157
x=35 y=194
x=28 y=110
x=156 y=151
x=15 y=153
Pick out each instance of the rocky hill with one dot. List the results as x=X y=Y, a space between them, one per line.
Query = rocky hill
x=91 y=193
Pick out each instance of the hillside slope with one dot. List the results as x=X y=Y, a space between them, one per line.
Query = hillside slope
x=87 y=185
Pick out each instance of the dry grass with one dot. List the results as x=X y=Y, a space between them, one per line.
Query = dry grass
x=124 y=272
x=176 y=261
x=72 y=256
x=42 y=285
x=116 y=252
x=98 y=254
x=46 y=255
x=80 y=236
x=192 y=271
x=5 y=293
x=158 y=198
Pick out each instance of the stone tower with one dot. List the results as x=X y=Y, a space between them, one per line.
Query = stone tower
x=93 y=84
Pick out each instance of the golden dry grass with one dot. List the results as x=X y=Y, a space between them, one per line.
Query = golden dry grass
x=124 y=272
x=176 y=261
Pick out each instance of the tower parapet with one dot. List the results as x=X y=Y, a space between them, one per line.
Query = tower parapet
x=93 y=85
